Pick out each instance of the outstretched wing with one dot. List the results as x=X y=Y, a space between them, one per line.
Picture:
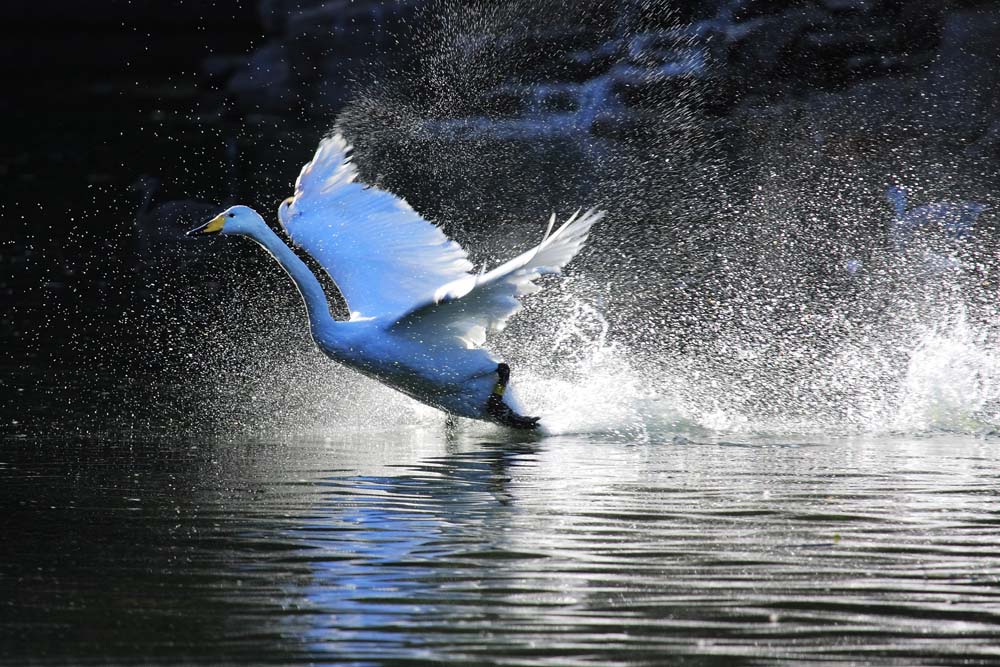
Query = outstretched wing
x=383 y=256
x=466 y=308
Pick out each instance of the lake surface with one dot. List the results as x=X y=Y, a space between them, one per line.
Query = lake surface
x=422 y=547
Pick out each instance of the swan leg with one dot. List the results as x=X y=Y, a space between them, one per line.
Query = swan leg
x=500 y=412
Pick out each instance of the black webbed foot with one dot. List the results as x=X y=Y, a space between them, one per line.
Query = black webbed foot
x=500 y=411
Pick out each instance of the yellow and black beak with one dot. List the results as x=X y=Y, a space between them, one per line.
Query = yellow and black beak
x=213 y=226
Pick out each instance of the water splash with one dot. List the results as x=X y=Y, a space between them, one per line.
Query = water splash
x=578 y=378
x=945 y=379
x=952 y=380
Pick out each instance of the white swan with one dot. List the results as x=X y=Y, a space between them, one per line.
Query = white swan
x=418 y=315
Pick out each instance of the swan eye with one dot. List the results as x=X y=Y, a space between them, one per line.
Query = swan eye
x=232 y=215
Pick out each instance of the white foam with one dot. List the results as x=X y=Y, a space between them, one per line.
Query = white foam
x=952 y=381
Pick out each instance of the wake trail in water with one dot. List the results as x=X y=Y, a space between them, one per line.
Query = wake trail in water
x=941 y=375
x=945 y=379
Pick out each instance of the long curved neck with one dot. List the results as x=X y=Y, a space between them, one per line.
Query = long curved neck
x=312 y=292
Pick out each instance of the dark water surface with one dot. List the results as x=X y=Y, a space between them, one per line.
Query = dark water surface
x=419 y=548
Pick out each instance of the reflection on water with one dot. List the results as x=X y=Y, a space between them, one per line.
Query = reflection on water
x=414 y=548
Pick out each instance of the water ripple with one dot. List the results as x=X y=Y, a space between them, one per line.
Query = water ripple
x=568 y=551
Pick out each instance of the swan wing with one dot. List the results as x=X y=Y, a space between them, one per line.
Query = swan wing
x=384 y=257
x=468 y=307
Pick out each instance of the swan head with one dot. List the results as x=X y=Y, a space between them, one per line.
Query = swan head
x=234 y=220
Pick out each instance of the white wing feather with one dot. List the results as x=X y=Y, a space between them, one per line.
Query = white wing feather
x=383 y=256
x=466 y=308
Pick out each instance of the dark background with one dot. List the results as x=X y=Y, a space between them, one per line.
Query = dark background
x=767 y=150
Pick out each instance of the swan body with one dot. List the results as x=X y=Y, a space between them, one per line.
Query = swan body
x=419 y=316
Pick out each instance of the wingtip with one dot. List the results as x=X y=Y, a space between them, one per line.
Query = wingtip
x=552 y=223
x=334 y=147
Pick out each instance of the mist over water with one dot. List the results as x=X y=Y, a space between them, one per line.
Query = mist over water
x=754 y=274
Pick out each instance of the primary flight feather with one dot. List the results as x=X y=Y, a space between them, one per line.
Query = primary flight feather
x=419 y=316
